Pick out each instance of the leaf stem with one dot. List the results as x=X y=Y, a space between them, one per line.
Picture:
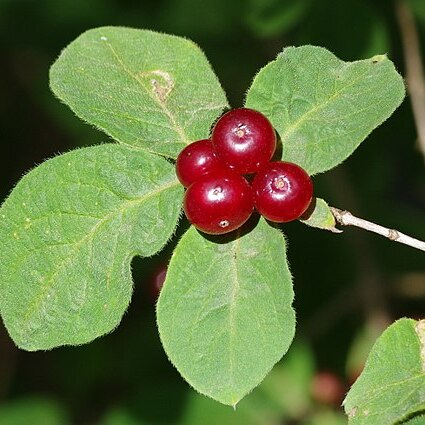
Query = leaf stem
x=345 y=218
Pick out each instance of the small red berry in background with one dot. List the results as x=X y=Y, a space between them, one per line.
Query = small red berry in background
x=195 y=160
x=156 y=281
x=282 y=191
x=244 y=140
x=327 y=388
x=219 y=202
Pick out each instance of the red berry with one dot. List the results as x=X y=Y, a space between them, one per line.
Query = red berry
x=244 y=140
x=195 y=160
x=157 y=280
x=327 y=388
x=282 y=191
x=219 y=202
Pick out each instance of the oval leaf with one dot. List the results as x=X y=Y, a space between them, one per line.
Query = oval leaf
x=323 y=107
x=69 y=231
x=392 y=385
x=224 y=313
x=150 y=90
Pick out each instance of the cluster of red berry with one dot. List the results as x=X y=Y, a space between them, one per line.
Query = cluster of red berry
x=218 y=198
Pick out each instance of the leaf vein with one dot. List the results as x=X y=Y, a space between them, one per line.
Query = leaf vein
x=50 y=283
x=296 y=124
x=155 y=99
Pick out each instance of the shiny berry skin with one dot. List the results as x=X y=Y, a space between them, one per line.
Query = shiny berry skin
x=219 y=202
x=282 y=191
x=244 y=140
x=195 y=160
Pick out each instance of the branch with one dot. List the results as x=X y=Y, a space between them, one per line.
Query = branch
x=345 y=218
x=414 y=69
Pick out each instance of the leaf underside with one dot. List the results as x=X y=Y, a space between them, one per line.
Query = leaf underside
x=323 y=107
x=153 y=91
x=69 y=230
x=224 y=313
x=319 y=215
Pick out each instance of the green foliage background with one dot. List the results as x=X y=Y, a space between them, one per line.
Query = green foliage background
x=348 y=287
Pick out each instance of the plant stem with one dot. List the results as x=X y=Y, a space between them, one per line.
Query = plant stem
x=345 y=218
x=414 y=69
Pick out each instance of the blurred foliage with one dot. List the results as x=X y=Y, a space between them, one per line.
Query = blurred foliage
x=125 y=378
x=36 y=411
x=269 y=18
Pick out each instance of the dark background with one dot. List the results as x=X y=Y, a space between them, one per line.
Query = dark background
x=348 y=287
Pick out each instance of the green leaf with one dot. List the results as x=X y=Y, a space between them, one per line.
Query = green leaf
x=320 y=215
x=418 y=420
x=323 y=107
x=392 y=385
x=69 y=231
x=270 y=403
x=145 y=89
x=224 y=313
